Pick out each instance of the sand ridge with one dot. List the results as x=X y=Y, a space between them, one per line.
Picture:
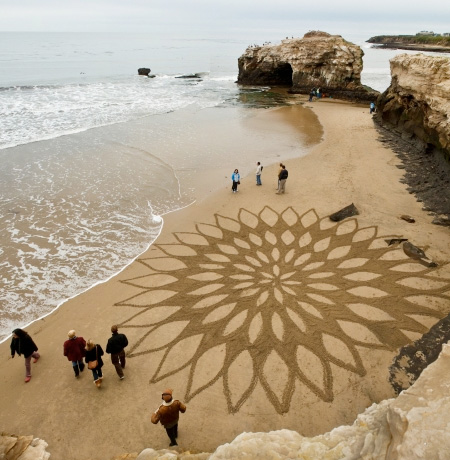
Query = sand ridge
x=254 y=307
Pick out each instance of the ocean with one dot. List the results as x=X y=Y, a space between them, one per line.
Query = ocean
x=92 y=155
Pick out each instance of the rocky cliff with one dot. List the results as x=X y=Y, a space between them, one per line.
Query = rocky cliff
x=317 y=60
x=412 y=42
x=417 y=102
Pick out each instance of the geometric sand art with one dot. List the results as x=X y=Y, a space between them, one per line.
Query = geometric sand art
x=233 y=300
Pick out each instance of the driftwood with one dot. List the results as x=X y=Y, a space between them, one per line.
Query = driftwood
x=342 y=214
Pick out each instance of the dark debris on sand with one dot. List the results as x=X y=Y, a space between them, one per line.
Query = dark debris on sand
x=427 y=174
x=416 y=357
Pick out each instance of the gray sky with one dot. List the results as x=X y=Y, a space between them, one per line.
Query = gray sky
x=226 y=18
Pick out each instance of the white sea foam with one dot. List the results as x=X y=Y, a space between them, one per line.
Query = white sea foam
x=33 y=113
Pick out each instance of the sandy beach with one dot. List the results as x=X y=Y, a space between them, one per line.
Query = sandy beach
x=257 y=310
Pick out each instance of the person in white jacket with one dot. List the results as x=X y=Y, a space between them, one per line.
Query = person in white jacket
x=258 y=173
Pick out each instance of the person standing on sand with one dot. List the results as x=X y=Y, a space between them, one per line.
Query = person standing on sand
x=259 y=169
x=94 y=361
x=236 y=178
x=283 y=177
x=168 y=414
x=22 y=344
x=279 y=172
x=372 y=107
x=75 y=352
x=115 y=346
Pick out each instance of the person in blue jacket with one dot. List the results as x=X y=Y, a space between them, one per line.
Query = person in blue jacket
x=236 y=178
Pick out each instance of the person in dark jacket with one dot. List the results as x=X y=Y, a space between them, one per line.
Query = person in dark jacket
x=94 y=352
x=283 y=176
x=23 y=344
x=75 y=352
x=168 y=414
x=115 y=346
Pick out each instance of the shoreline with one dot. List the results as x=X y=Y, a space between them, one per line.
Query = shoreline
x=209 y=184
x=342 y=168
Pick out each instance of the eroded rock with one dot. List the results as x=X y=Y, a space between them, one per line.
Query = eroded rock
x=417 y=102
x=318 y=60
x=144 y=71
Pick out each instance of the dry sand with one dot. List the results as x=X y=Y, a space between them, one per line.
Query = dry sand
x=257 y=310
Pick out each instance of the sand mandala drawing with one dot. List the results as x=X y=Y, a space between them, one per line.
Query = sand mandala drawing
x=277 y=299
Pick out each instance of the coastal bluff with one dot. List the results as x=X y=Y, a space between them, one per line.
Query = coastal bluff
x=317 y=60
x=417 y=102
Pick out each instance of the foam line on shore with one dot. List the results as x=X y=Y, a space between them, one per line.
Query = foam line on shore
x=156 y=217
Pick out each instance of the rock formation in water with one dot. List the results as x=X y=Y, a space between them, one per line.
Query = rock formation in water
x=318 y=60
x=417 y=102
x=144 y=71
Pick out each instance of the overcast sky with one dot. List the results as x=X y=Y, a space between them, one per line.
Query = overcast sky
x=226 y=18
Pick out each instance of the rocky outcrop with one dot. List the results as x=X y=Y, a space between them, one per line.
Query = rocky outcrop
x=22 y=448
x=317 y=60
x=417 y=356
x=417 y=102
x=438 y=44
x=144 y=71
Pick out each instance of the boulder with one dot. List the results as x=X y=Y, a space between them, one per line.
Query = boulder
x=318 y=60
x=417 y=102
x=144 y=71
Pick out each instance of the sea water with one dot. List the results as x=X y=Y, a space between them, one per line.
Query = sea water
x=79 y=198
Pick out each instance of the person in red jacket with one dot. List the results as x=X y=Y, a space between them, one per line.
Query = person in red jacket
x=168 y=414
x=74 y=349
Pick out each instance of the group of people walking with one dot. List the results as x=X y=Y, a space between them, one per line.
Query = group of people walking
x=282 y=176
x=76 y=348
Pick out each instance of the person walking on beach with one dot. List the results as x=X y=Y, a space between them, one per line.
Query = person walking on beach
x=283 y=177
x=115 y=347
x=23 y=344
x=259 y=169
x=94 y=361
x=168 y=413
x=236 y=178
x=74 y=349
x=372 y=107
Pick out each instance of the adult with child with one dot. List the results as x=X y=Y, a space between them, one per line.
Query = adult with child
x=74 y=349
x=115 y=347
x=168 y=413
x=93 y=358
x=278 y=175
x=236 y=178
x=23 y=344
x=283 y=176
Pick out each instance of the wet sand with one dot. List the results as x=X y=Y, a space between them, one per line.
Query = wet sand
x=258 y=311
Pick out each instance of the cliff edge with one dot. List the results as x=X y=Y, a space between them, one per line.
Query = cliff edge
x=317 y=60
x=417 y=102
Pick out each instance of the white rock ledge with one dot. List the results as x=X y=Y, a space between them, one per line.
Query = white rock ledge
x=414 y=426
